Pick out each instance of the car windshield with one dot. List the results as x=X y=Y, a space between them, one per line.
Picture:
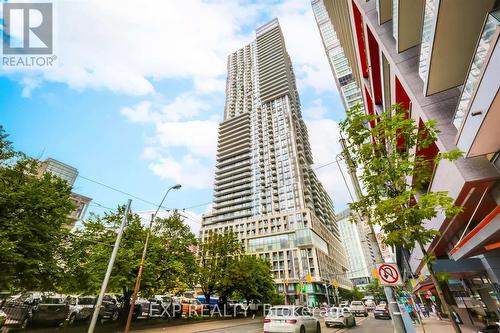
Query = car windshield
x=86 y=300
x=52 y=300
x=356 y=303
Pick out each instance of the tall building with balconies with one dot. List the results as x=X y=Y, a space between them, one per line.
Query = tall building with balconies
x=265 y=189
x=440 y=60
x=344 y=69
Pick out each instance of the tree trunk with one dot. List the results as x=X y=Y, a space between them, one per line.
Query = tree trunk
x=127 y=293
x=439 y=291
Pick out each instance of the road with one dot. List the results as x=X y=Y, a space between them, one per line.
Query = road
x=364 y=325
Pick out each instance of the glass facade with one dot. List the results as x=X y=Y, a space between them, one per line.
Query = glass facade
x=427 y=37
x=348 y=87
x=490 y=27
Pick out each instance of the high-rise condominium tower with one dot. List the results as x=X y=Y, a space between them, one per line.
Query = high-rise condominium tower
x=265 y=189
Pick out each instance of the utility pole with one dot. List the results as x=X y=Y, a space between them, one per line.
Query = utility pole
x=393 y=305
x=110 y=268
x=143 y=259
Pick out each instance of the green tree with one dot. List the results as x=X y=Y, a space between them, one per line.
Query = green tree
x=170 y=260
x=250 y=278
x=394 y=174
x=33 y=221
x=216 y=254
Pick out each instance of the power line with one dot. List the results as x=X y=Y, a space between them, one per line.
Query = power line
x=120 y=191
x=156 y=205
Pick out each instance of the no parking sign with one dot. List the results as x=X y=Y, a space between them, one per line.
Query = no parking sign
x=389 y=275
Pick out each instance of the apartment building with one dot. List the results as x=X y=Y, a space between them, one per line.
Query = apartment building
x=265 y=190
x=440 y=59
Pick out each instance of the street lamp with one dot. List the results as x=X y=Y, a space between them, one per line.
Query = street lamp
x=143 y=258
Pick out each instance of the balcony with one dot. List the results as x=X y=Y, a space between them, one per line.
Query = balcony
x=478 y=111
x=407 y=19
x=450 y=32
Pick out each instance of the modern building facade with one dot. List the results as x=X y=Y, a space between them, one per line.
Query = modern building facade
x=265 y=190
x=415 y=53
x=69 y=174
x=346 y=75
x=360 y=256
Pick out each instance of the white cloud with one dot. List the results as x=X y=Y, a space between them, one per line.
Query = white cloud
x=324 y=136
x=127 y=48
x=188 y=171
x=140 y=113
x=197 y=139
x=29 y=83
x=315 y=111
x=184 y=106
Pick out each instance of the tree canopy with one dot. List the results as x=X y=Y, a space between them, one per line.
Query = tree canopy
x=33 y=221
x=397 y=156
x=170 y=262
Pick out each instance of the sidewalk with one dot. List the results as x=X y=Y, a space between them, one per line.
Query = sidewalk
x=434 y=325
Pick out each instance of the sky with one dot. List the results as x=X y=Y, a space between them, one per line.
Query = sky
x=137 y=92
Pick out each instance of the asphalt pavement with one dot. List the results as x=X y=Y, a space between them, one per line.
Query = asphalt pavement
x=363 y=325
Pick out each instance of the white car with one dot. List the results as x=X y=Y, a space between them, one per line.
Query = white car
x=340 y=317
x=290 y=318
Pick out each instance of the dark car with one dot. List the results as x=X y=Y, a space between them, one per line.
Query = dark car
x=111 y=307
x=36 y=308
x=381 y=311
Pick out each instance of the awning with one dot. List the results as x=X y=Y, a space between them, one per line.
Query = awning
x=423 y=286
x=481 y=239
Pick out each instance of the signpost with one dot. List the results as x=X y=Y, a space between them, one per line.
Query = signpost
x=389 y=275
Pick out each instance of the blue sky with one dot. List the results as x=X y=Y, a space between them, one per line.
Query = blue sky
x=136 y=95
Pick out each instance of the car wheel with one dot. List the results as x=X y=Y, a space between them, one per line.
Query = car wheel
x=72 y=319
x=318 y=328
x=115 y=315
x=302 y=329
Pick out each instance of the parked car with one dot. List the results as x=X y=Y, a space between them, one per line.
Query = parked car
x=164 y=306
x=358 y=308
x=381 y=311
x=3 y=318
x=111 y=307
x=191 y=306
x=289 y=318
x=214 y=300
x=80 y=308
x=342 y=317
x=370 y=304
x=36 y=307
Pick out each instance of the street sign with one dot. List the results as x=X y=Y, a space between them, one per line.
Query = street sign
x=388 y=275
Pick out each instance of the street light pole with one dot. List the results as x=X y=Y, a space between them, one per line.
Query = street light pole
x=143 y=258
x=111 y=262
